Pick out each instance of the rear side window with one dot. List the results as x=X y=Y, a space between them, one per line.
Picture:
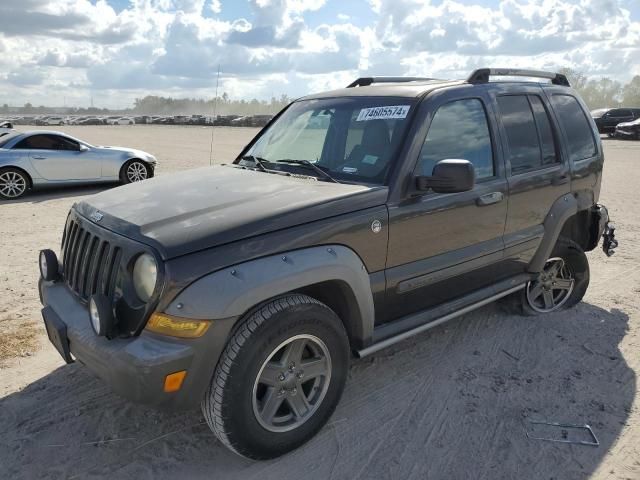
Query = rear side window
x=545 y=133
x=574 y=121
x=529 y=134
x=459 y=130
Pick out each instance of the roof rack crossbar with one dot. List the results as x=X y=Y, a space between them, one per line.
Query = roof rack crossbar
x=482 y=75
x=366 y=81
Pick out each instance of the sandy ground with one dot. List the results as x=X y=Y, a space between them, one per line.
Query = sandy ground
x=452 y=403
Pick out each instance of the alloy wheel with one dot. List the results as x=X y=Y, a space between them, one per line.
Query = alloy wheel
x=292 y=383
x=136 y=171
x=552 y=288
x=12 y=184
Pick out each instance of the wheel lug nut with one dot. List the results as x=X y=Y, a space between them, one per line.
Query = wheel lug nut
x=281 y=377
x=300 y=374
x=294 y=391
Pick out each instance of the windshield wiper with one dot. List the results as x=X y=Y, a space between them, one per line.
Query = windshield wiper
x=259 y=162
x=311 y=165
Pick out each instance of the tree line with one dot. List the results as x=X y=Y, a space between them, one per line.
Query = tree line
x=600 y=92
x=604 y=92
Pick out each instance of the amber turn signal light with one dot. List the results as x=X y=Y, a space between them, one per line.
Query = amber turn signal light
x=176 y=326
x=173 y=381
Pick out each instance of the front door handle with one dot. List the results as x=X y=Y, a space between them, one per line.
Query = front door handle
x=39 y=157
x=489 y=198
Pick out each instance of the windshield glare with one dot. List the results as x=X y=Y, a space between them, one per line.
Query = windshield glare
x=353 y=139
x=598 y=113
x=6 y=138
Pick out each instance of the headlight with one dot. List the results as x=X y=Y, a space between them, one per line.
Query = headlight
x=145 y=276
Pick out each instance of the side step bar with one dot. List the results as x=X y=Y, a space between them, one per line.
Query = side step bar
x=434 y=322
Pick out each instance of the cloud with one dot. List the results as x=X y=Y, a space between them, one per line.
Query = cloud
x=76 y=47
x=26 y=76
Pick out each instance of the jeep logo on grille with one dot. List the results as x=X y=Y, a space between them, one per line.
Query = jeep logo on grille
x=96 y=216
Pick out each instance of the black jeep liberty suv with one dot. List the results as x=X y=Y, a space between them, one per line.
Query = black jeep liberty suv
x=355 y=219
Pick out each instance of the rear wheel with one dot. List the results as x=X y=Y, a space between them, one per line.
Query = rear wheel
x=279 y=378
x=562 y=282
x=134 y=171
x=14 y=183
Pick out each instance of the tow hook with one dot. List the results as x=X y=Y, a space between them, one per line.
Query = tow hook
x=609 y=242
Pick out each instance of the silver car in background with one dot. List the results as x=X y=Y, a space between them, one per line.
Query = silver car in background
x=46 y=158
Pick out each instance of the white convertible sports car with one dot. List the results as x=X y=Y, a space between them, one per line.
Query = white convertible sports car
x=44 y=158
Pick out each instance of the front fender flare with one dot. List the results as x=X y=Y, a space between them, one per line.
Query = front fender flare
x=233 y=291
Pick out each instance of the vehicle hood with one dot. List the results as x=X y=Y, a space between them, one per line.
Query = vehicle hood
x=179 y=213
x=129 y=151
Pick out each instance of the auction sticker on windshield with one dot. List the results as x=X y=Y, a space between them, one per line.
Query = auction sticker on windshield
x=391 y=112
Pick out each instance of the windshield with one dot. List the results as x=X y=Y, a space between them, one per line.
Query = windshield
x=6 y=138
x=598 y=113
x=352 y=139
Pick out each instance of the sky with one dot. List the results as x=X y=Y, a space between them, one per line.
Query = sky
x=109 y=52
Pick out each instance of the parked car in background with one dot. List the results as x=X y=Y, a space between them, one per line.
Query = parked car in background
x=198 y=120
x=45 y=158
x=251 y=121
x=628 y=130
x=5 y=127
x=125 y=121
x=54 y=121
x=225 y=120
x=111 y=120
x=91 y=121
x=607 y=118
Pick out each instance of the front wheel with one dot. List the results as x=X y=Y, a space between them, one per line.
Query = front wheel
x=134 y=171
x=13 y=183
x=279 y=379
x=562 y=282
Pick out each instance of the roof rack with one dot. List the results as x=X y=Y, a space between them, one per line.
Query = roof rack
x=482 y=75
x=366 y=81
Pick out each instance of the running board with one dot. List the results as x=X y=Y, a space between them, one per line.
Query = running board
x=387 y=342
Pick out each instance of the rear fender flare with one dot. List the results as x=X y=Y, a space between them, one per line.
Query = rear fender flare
x=235 y=290
x=561 y=210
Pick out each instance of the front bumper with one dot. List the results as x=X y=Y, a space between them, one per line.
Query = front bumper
x=136 y=367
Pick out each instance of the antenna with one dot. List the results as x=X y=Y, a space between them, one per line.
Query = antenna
x=215 y=109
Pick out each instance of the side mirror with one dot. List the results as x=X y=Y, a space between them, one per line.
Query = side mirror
x=84 y=148
x=449 y=176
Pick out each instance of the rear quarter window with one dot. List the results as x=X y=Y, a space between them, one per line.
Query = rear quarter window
x=581 y=143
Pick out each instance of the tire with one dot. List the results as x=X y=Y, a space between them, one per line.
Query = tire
x=135 y=170
x=562 y=291
x=14 y=183
x=234 y=405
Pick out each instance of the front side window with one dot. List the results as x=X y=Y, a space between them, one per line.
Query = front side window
x=47 y=142
x=36 y=142
x=353 y=139
x=459 y=130
x=574 y=122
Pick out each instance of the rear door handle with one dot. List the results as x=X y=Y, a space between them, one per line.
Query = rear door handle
x=39 y=157
x=560 y=180
x=489 y=198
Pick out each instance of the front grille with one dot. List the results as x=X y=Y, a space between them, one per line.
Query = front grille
x=90 y=263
